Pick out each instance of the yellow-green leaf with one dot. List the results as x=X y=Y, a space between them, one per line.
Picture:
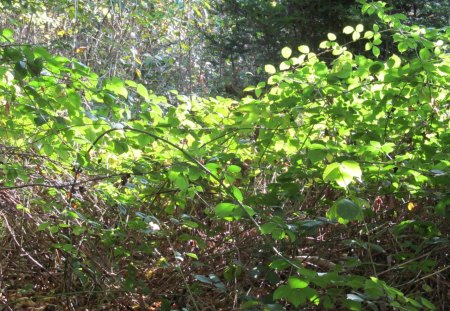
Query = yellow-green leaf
x=348 y=30
x=286 y=52
x=270 y=69
x=303 y=49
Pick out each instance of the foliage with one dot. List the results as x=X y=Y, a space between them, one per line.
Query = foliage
x=328 y=187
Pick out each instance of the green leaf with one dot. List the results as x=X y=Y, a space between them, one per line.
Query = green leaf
x=141 y=90
x=182 y=183
x=203 y=279
x=280 y=264
x=317 y=153
x=237 y=194
x=444 y=69
x=351 y=168
x=424 y=54
x=192 y=255
x=281 y=292
x=261 y=85
x=117 y=86
x=73 y=103
x=250 y=212
x=7 y=33
x=342 y=173
x=402 y=47
x=268 y=227
x=294 y=282
x=72 y=214
x=348 y=210
x=368 y=34
x=20 y=70
x=12 y=174
x=427 y=304
x=331 y=172
x=48 y=149
x=321 y=69
x=296 y=297
x=40 y=120
x=376 y=67
x=344 y=70
x=270 y=69
x=354 y=297
x=394 y=61
x=120 y=147
x=194 y=173
x=278 y=234
x=144 y=140
x=224 y=210
x=190 y=223
x=43 y=226
x=376 y=51
x=324 y=44
x=286 y=52
x=36 y=66
x=13 y=54
x=387 y=148
x=234 y=169
x=373 y=288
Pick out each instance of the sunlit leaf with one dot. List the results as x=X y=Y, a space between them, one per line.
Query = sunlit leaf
x=331 y=36
x=270 y=69
x=223 y=210
x=192 y=255
x=304 y=49
x=294 y=282
x=286 y=52
x=237 y=194
x=348 y=30
x=424 y=54
x=285 y=65
x=117 y=86
x=141 y=90
x=342 y=173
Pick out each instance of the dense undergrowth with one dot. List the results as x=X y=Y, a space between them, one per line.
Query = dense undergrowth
x=325 y=188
